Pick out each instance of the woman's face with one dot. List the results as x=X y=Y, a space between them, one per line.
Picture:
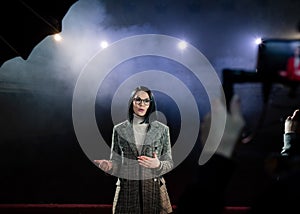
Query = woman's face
x=141 y=103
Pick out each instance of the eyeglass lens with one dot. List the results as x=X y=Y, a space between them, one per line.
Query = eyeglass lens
x=139 y=100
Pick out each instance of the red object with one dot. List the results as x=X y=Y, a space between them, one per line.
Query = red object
x=291 y=69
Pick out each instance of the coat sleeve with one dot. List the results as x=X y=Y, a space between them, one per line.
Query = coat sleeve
x=115 y=155
x=166 y=161
x=291 y=145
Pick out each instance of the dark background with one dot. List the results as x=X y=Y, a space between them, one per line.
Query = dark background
x=41 y=159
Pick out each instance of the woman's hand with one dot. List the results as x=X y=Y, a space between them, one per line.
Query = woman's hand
x=149 y=162
x=105 y=165
x=291 y=122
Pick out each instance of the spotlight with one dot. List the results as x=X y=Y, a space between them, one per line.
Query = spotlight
x=182 y=45
x=57 y=37
x=258 y=41
x=103 y=44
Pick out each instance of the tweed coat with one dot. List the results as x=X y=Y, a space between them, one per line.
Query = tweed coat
x=140 y=190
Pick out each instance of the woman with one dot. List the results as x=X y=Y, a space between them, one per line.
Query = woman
x=140 y=155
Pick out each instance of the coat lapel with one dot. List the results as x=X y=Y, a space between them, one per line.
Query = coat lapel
x=150 y=136
x=129 y=136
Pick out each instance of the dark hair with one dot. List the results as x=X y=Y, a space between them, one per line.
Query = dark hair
x=152 y=107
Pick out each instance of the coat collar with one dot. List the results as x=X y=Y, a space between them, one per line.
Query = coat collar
x=151 y=134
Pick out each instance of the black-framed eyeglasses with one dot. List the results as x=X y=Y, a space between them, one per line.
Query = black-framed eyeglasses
x=139 y=101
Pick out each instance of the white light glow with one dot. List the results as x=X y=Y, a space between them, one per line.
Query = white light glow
x=104 y=44
x=258 y=41
x=57 y=37
x=182 y=45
